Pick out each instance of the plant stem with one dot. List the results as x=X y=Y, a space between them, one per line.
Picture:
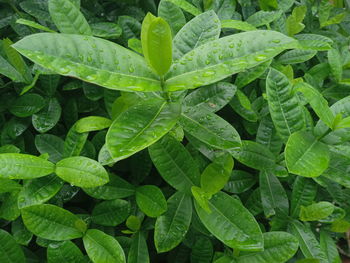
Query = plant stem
x=162 y=84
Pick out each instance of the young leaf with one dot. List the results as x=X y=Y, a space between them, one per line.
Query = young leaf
x=305 y=155
x=99 y=61
x=24 y=166
x=102 y=247
x=68 y=18
x=67 y=251
x=92 y=123
x=200 y=30
x=334 y=60
x=231 y=223
x=111 y=213
x=286 y=113
x=140 y=126
x=294 y=21
x=156 y=38
x=278 y=247
x=174 y=163
x=316 y=211
x=171 y=227
x=11 y=252
x=151 y=200
x=81 y=171
x=52 y=222
x=236 y=24
x=221 y=58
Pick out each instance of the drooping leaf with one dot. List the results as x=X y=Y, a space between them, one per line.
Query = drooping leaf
x=98 y=61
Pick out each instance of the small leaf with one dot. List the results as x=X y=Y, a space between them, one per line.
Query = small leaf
x=52 y=222
x=316 y=211
x=186 y=6
x=335 y=62
x=92 y=123
x=24 y=166
x=47 y=117
x=237 y=24
x=294 y=21
x=27 y=105
x=67 y=251
x=151 y=200
x=11 y=252
x=305 y=155
x=82 y=171
x=111 y=213
x=102 y=247
x=106 y=30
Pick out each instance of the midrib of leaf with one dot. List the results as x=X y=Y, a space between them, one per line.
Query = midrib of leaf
x=304 y=242
x=152 y=201
x=271 y=194
x=92 y=174
x=98 y=245
x=49 y=183
x=304 y=153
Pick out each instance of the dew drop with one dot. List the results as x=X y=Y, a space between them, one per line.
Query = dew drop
x=208 y=73
x=276 y=41
x=260 y=57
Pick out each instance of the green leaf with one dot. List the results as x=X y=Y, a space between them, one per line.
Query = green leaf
x=307 y=241
x=254 y=155
x=318 y=103
x=237 y=24
x=102 y=248
x=24 y=166
x=20 y=233
x=9 y=209
x=27 y=105
x=286 y=113
x=305 y=155
x=8 y=185
x=67 y=17
x=294 y=21
x=268 y=4
x=99 y=61
x=38 y=191
x=33 y=25
x=115 y=188
x=200 y=30
x=186 y=6
x=82 y=171
x=140 y=126
x=51 y=144
x=303 y=194
x=216 y=174
x=335 y=63
x=47 y=117
x=267 y=135
x=92 y=123
x=273 y=195
x=329 y=247
x=52 y=222
x=9 y=71
x=67 y=251
x=201 y=198
x=74 y=142
x=221 y=58
x=231 y=223
x=11 y=252
x=210 y=129
x=296 y=56
x=151 y=200
x=213 y=97
x=202 y=250
x=242 y=106
x=156 y=38
x=171 y=227
x=314 y=42
x=138 y=252
x=111 y=213
x=174 y=163
x=278 y=247
x=246 y=77
x=106 y=30
x=262 y=18
x=239 y=182
x=172 y=14
x=316 y=211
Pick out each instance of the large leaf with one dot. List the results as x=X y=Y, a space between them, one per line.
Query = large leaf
x=286 y=113
x=305 y=155
x=174 y=163
x=98 y=61
x=82 y=171
x=10 y=251
x=52 y=222
x=200 y=30
x=102 y=248
x=24 y=166
x=221 y=58
x=231 y=223
x=172 y=226
x=140 y=126
x=68 y=18
x=278 y=247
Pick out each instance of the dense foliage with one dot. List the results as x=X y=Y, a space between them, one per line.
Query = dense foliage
x=174 y=131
